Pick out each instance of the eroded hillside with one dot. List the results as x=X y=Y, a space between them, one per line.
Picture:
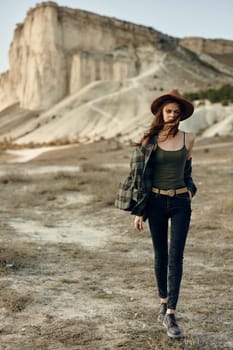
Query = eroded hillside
x=76 y=76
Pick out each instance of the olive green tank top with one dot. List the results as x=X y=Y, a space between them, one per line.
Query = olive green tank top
x=168 y=168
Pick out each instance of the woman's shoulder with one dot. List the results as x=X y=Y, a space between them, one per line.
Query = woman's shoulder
x=189 y=142
x=190 y=137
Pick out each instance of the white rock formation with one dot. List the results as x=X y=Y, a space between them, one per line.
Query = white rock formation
x=223 y=127
x=77 y=75
x=57 y=51
x=37 y=60
x=206 y=116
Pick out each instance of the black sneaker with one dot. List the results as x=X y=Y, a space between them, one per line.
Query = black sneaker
x=173 y=330
x=162 y=312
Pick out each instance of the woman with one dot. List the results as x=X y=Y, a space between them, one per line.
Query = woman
x=162 y=189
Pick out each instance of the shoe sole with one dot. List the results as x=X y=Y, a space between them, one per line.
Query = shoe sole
x=173 y=335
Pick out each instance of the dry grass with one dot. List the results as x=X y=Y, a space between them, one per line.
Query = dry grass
x=227 y=206
x=8 y=143
x=14 y=176
x=13 y=301
x=110 y=289
x=16 y=255
x=99 y=182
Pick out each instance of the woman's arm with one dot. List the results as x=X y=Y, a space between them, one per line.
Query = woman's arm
x=190 y=138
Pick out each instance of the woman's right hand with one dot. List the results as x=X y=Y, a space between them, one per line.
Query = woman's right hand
x=138 y=223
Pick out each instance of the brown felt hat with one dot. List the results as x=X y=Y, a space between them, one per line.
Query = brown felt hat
x=173 y=95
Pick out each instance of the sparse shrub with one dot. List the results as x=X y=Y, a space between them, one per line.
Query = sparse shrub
x=9 y=143
x=15 y=256
x=14 y=177
x=14 y=301
x=101 y=183
x=70 y=185
x=89 y=167
x=201 y=103
x=224 y=94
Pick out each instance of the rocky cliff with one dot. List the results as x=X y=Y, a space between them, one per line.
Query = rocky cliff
x=74 y=74
x=212 y=47
x=219 y=49
x=57 y=50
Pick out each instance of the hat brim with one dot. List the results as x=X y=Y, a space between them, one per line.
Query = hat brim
x=188 y=107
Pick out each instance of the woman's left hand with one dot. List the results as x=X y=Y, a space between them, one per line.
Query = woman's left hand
x=138 y=223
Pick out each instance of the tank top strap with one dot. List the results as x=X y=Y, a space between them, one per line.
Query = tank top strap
x=184 y=138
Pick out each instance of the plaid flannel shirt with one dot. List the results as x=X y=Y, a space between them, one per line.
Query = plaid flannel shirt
x=135 y=189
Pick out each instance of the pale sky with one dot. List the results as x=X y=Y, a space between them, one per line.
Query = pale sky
x=179 y=18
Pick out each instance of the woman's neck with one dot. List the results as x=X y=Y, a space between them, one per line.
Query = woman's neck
x=165 y=132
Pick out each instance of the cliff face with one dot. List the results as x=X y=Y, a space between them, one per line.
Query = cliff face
x=37 y=62
x=56 y=51
x=220 y=49
x=208 y=46
x=77 y=75
x=7 y=90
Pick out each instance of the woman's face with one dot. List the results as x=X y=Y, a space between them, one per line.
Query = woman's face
x=171 y=113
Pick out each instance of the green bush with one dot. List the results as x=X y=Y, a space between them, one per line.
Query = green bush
x=223 y=95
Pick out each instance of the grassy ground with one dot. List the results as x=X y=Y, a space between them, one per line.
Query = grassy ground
x=75 y=275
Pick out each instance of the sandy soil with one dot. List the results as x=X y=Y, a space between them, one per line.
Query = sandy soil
x=75 y=275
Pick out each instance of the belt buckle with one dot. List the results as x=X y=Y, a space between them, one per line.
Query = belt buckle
x=171 y=193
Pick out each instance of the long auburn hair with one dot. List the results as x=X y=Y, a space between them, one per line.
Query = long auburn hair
x=158 y=123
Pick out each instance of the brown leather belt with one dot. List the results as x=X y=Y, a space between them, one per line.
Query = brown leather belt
x=171 y=192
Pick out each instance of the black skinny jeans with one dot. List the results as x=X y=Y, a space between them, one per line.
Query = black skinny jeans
x=169 y=262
